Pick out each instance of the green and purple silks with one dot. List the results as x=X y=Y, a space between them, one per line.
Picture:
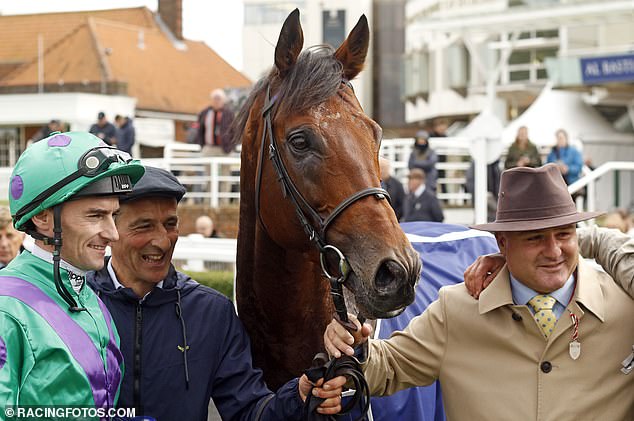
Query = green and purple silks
x=50 y=356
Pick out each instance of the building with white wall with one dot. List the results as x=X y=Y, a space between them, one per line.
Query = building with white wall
x=323 y=21
x=455 y=48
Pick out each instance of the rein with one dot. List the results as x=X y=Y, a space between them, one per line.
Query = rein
x=305 y=212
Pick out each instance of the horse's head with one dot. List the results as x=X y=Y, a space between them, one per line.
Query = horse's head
x=305 y=119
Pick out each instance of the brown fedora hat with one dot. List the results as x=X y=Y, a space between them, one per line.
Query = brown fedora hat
x=534 y=199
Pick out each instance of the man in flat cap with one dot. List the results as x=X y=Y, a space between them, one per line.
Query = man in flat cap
x=182 y=342
x=546 y=340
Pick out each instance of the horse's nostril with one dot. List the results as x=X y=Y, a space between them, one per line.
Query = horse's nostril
x=389 y=276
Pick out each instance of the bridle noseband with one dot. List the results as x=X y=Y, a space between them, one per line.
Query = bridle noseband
x=305 y=212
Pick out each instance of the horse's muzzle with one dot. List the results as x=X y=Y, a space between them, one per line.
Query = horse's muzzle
x=391 y=290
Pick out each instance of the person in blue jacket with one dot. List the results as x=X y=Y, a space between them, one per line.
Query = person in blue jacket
x=182 y=342
x=125 y=133
x=567 y=158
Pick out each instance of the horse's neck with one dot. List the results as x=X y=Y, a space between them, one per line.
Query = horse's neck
x=283 y=302
x=290 y=282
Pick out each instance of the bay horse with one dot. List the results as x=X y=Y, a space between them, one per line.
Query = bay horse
x=309 y=182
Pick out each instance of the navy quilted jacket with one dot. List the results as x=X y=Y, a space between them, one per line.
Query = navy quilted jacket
x=217 y=359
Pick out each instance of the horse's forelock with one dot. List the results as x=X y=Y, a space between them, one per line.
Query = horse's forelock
x=315 y=77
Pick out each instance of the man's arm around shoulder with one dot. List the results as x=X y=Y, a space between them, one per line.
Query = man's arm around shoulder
x=611 y=249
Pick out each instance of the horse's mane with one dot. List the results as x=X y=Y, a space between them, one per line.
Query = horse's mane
x=315 y=76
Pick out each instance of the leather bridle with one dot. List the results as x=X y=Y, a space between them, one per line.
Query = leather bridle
x=306 y=213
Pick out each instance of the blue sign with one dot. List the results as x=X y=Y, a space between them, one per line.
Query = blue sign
x=608 y=69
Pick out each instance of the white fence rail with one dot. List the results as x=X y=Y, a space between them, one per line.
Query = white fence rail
x=192 y=250
x=589 y=180
x=195 y=250
x=211 y=179
x=215 y=179
x=457 y=160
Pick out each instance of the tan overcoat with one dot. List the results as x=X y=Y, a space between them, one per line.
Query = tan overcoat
x=494 y=364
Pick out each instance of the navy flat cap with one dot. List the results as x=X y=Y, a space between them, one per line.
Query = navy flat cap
x=155 y=182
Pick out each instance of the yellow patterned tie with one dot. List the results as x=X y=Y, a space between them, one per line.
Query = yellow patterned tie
x=543 y=306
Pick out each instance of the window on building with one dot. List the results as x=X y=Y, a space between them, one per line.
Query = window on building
x=583 y=37
x=526 y=64
x=416 y=74
x=270 y=13
x=533 y=3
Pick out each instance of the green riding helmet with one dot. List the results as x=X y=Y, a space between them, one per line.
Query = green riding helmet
x=64 y=165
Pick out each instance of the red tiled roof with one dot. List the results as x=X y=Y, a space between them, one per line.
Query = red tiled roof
x=60 y=65
x=102 y=47
x=19 y=33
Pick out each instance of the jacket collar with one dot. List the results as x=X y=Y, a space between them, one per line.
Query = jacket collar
x=588 y=292
x=173 y=283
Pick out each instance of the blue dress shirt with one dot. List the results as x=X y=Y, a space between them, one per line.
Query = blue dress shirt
x=522 y=294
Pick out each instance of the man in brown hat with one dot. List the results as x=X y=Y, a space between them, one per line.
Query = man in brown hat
x=545 y=341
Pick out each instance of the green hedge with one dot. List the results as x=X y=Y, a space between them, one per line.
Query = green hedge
x=220 y=281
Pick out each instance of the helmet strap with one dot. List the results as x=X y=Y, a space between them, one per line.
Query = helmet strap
x=57 y=242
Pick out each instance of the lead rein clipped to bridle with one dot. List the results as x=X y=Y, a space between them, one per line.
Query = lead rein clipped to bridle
x=322 y=367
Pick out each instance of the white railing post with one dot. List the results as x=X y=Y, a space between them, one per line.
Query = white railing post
x=478 y=151
x=12 y=157
x=591 y=199
x=214 y=184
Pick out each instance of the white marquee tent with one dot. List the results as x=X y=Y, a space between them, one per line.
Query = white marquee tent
x=555 y=109
x=488 y=126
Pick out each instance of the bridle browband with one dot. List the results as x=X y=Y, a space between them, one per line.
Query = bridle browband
x=317 y=235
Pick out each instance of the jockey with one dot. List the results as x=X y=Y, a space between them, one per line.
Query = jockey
x=58 y=344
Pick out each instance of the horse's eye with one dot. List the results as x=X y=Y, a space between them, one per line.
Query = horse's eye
x=298 y=142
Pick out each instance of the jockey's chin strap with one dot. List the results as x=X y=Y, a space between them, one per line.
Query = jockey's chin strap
x=56 y=241
x=306 y=213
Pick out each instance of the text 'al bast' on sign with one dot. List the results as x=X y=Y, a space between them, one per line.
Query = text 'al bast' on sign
x=608 y=69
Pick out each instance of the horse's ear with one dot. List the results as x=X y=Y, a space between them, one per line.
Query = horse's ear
x=289 y=44
x=353 y=50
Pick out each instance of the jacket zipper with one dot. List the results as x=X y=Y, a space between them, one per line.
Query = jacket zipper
x=137 y=358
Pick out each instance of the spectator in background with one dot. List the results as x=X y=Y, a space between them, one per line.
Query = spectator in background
x=523 y=152
x=125 y=133
x=425 y=158
x=420 y=204
x=439 y=128
x=393 y=187
x=10 y=238
x=191 y=131
x=214 y=126
x=205 y=227
x=46 y=130
x=104 y=130
x=567 y=158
